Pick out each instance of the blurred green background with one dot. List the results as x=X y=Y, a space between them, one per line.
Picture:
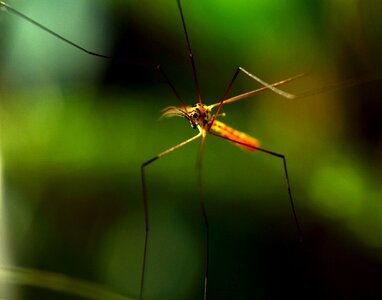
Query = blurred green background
x=75 y=129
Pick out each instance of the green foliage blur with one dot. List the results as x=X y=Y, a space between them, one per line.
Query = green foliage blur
x=75 y=130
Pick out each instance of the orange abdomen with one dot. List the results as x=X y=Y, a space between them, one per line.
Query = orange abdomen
x=235 y=136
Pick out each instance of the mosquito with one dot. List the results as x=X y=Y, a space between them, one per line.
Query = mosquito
x=201 y=117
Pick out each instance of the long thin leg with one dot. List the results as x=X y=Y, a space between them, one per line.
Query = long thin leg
x=199 y=166
x=207 y=236
x=326 y=89
x=257 y=91
x=273 y=89
x=265 y=84
x=154 y=66
x=39 y=25
x=282 y=156
x=199 y=158
x=145 y=203
x=190 y=54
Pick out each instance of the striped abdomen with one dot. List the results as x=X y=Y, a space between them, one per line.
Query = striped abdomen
x=234 y=135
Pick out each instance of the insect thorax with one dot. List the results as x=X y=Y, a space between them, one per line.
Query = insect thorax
x=199 y=115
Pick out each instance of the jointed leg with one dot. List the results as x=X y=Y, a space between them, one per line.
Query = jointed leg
x=265 y=84
x=282 y=156
x=257 y=91
x=199 y=166
x=145 y=202
x=146 y=64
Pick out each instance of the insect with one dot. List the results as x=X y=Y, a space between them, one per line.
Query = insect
x=205 y=121
x=201 y=117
